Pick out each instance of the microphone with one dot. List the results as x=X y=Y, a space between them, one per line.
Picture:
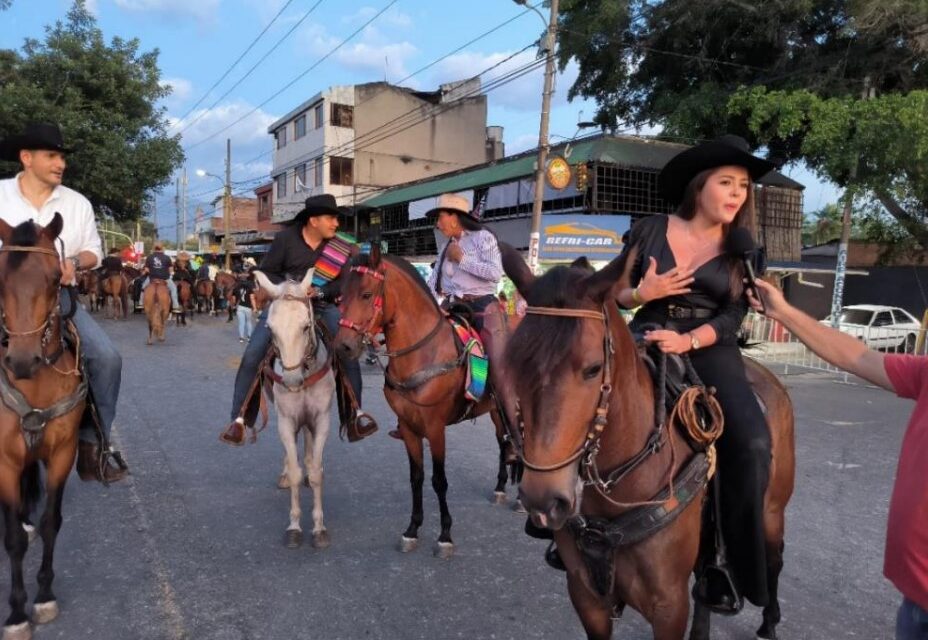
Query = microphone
x=740 y=244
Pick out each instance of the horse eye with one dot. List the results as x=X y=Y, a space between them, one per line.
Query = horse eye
x=591 y=372
x=367 y=295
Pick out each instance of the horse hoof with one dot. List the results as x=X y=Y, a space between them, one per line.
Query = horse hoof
x=408 y=544
x=283 y=482
x=21 y=631
x=499 y=497
x=321 y=539
x=444 y=550
x=293 y=538
x=518 y=507
x=767 y=632
x=44 y=612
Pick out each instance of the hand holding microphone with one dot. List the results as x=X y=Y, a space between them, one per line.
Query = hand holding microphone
x=740 y=244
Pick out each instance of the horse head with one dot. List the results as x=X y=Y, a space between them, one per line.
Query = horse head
x=565 y=354
x=30 y=277
x=361 y=306
x=292 y=323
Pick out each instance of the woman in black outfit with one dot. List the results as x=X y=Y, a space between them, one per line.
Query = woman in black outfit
x=684 y=280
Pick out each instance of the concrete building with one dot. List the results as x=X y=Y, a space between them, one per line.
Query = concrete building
x=250 y=223
x=354 y=141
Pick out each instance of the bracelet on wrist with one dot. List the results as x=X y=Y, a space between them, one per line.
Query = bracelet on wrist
x=636 y=297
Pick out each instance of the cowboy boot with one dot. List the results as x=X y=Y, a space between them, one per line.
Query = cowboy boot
x=93 y=465
x=234 y=434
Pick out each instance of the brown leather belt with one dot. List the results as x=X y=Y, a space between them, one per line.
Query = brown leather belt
x=469 y=298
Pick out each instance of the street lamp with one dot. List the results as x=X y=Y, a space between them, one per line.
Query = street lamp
x=226 y=205
x=549 y=44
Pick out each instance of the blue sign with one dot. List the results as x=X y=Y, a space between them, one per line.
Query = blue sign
x=567 y=237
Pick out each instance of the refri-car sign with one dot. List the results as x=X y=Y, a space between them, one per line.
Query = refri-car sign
x=598 y=237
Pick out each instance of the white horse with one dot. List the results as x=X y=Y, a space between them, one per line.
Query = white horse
x=304 y=384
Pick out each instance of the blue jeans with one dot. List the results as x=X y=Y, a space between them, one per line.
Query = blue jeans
x=246 y=321
x=172 y=288
x=911 y=621
x=103 y=366
x=257 y=349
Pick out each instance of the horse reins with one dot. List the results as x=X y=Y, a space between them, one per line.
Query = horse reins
x=312 y=351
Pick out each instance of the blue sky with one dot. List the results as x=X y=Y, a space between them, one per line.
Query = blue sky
x=199 y=39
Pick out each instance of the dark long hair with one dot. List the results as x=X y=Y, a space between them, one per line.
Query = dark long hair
x=745 y=218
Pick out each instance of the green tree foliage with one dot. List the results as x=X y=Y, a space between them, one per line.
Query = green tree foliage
x=103 y=97
x=787 y=74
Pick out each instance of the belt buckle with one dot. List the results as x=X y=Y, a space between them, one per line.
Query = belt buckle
x=675 y=312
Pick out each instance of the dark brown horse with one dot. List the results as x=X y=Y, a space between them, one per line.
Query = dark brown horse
x=88 y=286
x=588 y=407
x=185 y=298
x=43 y=398
x=115 y=296
x=157 y=302
x=205 y=296
x=225 y=288
x=424 y=382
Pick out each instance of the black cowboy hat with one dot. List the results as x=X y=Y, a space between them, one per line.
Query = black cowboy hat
x=321 y=205
x=723 y=151
x=37 y=135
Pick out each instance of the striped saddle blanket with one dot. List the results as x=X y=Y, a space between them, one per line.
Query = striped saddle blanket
x=475 y=358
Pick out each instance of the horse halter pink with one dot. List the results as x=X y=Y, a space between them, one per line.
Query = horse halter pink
x=376 y=303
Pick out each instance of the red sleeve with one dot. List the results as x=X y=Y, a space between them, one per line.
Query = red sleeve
x=907 y=374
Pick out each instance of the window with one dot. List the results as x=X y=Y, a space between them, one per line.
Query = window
x=317 y=116
x=282 y=137
x=340 y=170
x=317 y=167
x=299 y=127
x=342 y=115
x=299 y=183
x=281 y=181
x=883 y=319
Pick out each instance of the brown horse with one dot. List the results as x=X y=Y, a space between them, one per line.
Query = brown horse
x=115 y=292
x=36 y=370
x=206 y=296
x=88 y=284
x=157 y=303
x=185 y=298
x=587 y=406
x=225 y=287
x=424 y=382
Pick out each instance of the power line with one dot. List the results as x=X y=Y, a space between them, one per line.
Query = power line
x=253 y=67
x=237 y=60
x=299 y=77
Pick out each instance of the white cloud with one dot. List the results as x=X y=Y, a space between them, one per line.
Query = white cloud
x=203 y=10
x=93 y=6
x=371 y=52
x=392 y=17
x=180 y=90
x=251 y=130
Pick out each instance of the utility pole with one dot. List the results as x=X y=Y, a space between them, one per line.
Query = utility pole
x=183 y=207
x=549 y=45
x=227 y=206
x=837 y=296
x=177 y=209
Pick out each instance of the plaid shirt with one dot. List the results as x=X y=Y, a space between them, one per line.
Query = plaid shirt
x=479 y=271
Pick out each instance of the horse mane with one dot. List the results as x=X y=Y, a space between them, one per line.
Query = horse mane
x=542 y=343
x=364 y=260
x=25 y=234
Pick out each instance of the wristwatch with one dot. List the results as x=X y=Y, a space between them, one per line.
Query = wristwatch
x=76 y=262
x=694 y=341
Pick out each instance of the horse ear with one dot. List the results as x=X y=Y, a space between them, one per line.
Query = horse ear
x=269 y=287
x=54 y=227
x=6 y=231
x=599 y=283
x=307 y=282
x=375 y=255
x=582 y=263
x=516 y=268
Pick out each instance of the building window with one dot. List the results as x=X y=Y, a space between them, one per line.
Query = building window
x=342 y=115
x=300 y=178
x=299 y=127
x=282 y=137
x=340 y=170
x=317 y=116
x=317 y=167
x=281 y=185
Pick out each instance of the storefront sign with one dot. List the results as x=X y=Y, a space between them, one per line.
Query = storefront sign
x=598 y=237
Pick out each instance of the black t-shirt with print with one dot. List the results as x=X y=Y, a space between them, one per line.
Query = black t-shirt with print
x=158 y=266
x=243 y=291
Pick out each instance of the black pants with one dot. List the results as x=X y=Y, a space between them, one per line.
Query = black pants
x=744 y=466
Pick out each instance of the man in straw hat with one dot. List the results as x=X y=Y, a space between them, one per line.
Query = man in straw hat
x=36 y=193
x=309 y=241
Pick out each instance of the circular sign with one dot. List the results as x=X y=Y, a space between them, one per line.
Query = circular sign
x=558 y=173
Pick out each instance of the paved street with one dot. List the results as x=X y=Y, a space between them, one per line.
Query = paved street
x=191 y=545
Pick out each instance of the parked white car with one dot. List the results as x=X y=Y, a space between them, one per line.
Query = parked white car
x=879 y=326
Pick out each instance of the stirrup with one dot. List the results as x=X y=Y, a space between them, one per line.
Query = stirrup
x=727 y=601
x=553 y=558
x=106 y=455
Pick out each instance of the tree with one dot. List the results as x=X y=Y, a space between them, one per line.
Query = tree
x=787 y=74
x=103 y=97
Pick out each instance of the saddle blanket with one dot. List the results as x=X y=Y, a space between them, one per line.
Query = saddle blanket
x=475 y=384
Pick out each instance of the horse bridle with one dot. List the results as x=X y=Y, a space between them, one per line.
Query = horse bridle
x=313 y=348
x=369 y=330
x=48 y=325
x=590 y=446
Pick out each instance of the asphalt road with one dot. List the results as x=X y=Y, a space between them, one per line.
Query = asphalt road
x=190 y=546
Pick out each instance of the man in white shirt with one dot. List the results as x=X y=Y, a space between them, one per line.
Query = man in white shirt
x=36 y=193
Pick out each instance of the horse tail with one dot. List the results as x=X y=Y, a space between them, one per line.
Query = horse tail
x=30 y=488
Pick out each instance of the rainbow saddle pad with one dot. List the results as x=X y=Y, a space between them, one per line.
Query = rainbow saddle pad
x=475 y=358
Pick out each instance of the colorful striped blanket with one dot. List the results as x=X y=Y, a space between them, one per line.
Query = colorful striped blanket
x=335 y=254
x=478 y=368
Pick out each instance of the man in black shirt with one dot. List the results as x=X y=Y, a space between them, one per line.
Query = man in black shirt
x=112 y=264
x=295 y=249
x=158 y=266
